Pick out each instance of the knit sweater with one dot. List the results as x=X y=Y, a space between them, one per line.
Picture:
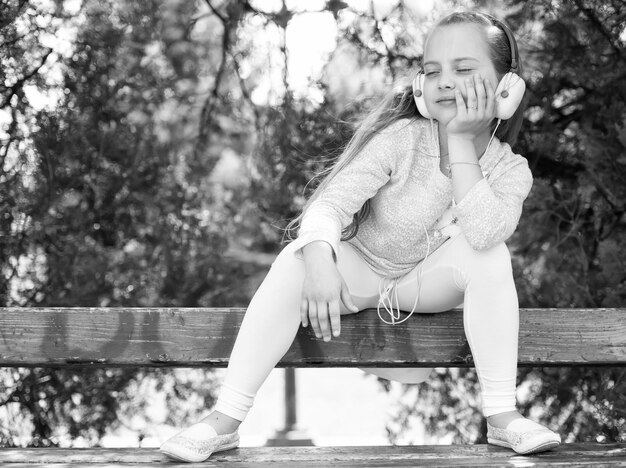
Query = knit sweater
x=398 y=170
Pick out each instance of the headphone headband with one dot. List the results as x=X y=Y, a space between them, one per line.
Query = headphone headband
x=512 y=43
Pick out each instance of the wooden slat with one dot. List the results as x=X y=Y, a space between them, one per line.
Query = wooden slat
x=588 y=454
x=204 y=337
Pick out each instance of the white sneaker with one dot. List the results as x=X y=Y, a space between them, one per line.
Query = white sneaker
x=197 y=443
x=524 y=436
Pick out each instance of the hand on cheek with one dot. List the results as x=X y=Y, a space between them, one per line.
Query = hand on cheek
x=474 y=117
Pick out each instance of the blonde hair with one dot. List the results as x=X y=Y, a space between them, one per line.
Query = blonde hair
x=395 y=105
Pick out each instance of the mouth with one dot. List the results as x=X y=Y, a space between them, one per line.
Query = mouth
x=445 y=100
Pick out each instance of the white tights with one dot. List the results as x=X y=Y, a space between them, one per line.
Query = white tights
x=452 y=275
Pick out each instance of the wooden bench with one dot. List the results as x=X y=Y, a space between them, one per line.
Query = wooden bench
x=194 y=337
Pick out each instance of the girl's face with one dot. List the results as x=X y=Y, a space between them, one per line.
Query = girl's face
x=453 y=54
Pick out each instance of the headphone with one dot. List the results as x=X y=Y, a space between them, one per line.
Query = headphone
x=509 y=92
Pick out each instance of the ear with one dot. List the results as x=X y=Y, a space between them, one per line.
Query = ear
x=418 y=94
x=509 y=94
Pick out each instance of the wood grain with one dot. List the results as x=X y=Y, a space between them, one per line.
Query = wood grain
x=584 y=454
x=192 y=337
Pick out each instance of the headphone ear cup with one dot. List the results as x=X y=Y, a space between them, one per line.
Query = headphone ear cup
x=509 y=94
x=418 y=95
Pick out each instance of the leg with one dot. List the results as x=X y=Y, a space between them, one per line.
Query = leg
x=483 y=281
x=267 y=331
x=269 y=328
x=491 y=323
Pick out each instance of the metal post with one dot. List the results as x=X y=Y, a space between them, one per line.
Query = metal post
x=290 y=435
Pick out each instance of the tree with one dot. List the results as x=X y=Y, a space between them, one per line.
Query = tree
x=119 y=194
x=106 y=203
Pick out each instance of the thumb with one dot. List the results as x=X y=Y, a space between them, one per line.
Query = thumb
x=346 y=298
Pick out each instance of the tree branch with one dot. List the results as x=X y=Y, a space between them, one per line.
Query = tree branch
x=246 y=93
x=215 y=11
x=593 y=19
x=610 y=198
x=20 y=83
x=9 y=20
x=228 y=22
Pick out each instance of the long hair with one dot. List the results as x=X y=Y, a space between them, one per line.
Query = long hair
x=399 y=104
x=395 y=105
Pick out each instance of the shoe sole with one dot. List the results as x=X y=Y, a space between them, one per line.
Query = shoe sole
x=176 y=457
x=539 y=448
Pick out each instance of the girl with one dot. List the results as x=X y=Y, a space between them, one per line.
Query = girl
x=412 y=217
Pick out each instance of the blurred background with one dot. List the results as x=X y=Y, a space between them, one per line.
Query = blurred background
x=151 y=152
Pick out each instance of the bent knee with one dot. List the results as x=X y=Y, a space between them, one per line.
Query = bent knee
x=288 y=254
x=494 y=262
x=287 y=267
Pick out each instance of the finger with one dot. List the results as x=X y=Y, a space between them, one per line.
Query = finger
x=346 y=298
x=490 y=104
x=304 y=312
x=322 y=316
x=471 y=94
x=313 y=319
x=461 y=110
x=479 y=86
x=333 y=311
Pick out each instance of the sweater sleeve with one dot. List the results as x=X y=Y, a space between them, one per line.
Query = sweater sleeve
x=334 y=207
x=490 y=211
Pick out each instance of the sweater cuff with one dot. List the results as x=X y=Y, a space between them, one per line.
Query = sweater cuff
x=477 y=197
x=309 y=237
x=480 y=217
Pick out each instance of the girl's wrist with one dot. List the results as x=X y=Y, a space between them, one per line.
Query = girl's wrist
x=317 y=252
x=461 y=150
x=461 y=138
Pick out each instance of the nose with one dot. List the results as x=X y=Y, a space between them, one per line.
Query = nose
x=446 y=81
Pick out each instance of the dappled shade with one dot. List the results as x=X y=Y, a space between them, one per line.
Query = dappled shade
x=114 y=116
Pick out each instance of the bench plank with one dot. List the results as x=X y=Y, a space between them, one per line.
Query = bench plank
x=190 y=337
x=582 y=454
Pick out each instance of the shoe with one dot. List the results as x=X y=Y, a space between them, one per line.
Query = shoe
x=524 y=436
x=197 y=443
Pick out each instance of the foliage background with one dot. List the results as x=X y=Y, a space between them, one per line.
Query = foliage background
x=142 y=140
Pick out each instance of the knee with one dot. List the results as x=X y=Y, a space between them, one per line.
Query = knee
x=288 y=256
x=286 y=268
x=493 y=264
